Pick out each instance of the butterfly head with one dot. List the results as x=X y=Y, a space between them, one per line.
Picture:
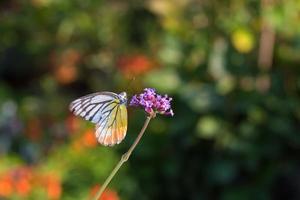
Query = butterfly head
x=123 y=97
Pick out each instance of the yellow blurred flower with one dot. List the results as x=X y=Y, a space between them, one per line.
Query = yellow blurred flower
x=208 y=127
x=170 y=12
x=162 y=7
x=242 y=40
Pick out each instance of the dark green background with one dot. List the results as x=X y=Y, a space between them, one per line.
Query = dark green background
x=235 y=133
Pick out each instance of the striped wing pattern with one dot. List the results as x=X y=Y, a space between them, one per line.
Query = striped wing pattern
x=104 y=109
x=113 y=129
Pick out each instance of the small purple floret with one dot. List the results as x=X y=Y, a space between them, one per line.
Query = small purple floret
x=153 y=102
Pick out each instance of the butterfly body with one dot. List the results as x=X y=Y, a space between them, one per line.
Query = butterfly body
x=108 y=111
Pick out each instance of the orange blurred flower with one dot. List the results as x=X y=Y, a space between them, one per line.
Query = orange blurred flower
x=65 y=66
x=22 y=172
x=89 y=138
x=72 y=123
x=6 y=186
x=23 y=187
x=22 y=177
x=107 y=194
x=65 y=74
x=16 y=181
x=53 y=186
x=134 y=65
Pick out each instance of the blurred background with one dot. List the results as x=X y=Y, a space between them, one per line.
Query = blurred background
x=232 y=68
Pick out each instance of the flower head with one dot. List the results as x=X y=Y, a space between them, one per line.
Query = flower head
x=152 y=102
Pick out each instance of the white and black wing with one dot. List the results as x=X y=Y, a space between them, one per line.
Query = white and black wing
x=94 y=107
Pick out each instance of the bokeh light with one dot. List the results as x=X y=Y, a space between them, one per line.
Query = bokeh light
x=232 y=68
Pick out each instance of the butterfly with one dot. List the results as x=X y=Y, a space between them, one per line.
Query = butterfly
x=108 y=111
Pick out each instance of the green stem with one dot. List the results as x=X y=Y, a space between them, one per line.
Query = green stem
x=124 y=158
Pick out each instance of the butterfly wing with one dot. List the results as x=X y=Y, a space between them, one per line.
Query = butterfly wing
x=106 y=110
x=92 y=106
x=112 y=130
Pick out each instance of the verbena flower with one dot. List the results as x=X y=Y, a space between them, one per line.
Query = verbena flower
x=152 y=102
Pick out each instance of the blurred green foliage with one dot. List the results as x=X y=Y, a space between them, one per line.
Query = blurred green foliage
x=235 y=133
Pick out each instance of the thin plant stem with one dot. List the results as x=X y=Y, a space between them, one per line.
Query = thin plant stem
x=124 y=158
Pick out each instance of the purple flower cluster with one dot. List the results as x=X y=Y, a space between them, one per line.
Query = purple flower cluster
x=153 y=102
